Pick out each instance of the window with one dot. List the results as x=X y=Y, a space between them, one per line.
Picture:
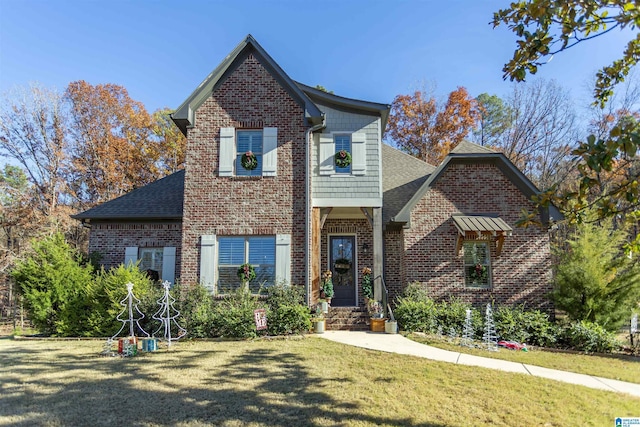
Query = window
x=249 y=140
x=343 y=142
x=151 y=259
x=477 y=268
x=259 y=251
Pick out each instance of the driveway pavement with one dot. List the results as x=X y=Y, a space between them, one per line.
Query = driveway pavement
x=395 y=343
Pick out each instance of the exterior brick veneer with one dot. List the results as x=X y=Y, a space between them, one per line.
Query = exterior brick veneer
x=110 y=239
x=523 y=271
x=249 y=98
x=394 y=266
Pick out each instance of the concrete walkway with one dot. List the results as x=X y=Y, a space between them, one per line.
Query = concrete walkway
x=395 y=343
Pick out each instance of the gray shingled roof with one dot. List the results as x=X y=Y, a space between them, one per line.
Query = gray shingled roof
x=466 y=147
x=161 y=199
x=402 y=176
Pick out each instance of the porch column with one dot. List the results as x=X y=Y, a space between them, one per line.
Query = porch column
x=377 y=253
x=314 y=292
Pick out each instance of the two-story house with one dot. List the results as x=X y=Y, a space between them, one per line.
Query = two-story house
x=298 y=209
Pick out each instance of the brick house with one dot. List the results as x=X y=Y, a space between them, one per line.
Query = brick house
x=297 y=213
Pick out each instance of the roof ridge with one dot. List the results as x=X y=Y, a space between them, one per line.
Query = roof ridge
x=414 y=158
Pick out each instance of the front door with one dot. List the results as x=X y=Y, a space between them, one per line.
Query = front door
x=342 y=264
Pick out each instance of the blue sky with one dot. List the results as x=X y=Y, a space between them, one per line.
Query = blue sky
x=372 y=50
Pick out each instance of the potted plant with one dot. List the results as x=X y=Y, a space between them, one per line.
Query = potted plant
x=376 y=315
x=391 y=325
x=367 y=285
x=326 y=289
x=324 y=305
x=318 y=320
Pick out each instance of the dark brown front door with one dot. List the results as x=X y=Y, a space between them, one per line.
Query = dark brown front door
x=343 y=266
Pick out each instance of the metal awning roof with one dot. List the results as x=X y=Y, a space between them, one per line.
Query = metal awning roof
x=469 y=224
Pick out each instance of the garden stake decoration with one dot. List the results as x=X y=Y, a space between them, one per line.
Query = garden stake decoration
x=452 y=334
x=130 y=303
x=166 y=318
x=489 y=337
x=467 y=334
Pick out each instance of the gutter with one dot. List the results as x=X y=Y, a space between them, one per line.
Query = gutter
x=307 y=188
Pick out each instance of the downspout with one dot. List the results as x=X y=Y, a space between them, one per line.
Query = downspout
x=307 y=203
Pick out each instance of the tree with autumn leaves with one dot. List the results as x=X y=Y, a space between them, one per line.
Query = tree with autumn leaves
x=422 y=127
x=545 y=28
x=77 y=149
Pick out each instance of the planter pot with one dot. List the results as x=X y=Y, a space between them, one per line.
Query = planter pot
x=318 y=326
x=377 y=325
x=325 y=306
x=391 y=327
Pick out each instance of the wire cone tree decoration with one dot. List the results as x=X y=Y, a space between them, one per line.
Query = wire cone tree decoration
x=167 y=315
x=130 y=304
x=467 y=334
x=489 y=337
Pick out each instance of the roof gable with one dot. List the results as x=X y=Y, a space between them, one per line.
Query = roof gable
x=184 y=115
x=161 y=199
x=473 y=153
x=347 y=104
x=402 y=176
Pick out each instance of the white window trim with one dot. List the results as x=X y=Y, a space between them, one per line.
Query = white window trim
x=132 y=256
x=282 y=266
x=228 y=151
x=327 y=151
x=488 y=265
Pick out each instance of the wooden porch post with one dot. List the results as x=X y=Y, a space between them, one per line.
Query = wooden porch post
x=377 y=253
x=314 y=292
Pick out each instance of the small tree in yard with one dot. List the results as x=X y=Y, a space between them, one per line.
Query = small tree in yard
x=595 y=280
x=55 y=286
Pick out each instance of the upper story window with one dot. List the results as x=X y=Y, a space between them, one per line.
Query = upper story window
x=477 y=266
x=236 y=143
x=249 y=143
x=332 y=143
x=343 y=143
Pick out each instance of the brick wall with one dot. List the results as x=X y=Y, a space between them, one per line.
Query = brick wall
x=394 y=269
x=522 y=273
x=111 y=238
x=249 y=98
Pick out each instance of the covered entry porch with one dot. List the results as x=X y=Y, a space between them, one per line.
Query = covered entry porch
x=344 y=241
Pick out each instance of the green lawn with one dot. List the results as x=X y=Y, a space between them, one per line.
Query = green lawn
x=617 y=367
x=301 y=382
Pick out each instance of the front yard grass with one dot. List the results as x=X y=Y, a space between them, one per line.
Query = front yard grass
x=303 y=382
x=617 y=367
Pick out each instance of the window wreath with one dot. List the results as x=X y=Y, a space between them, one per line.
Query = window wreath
x=246 y=273
x=478 y=272
x=342 y=159
x=249 y=161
